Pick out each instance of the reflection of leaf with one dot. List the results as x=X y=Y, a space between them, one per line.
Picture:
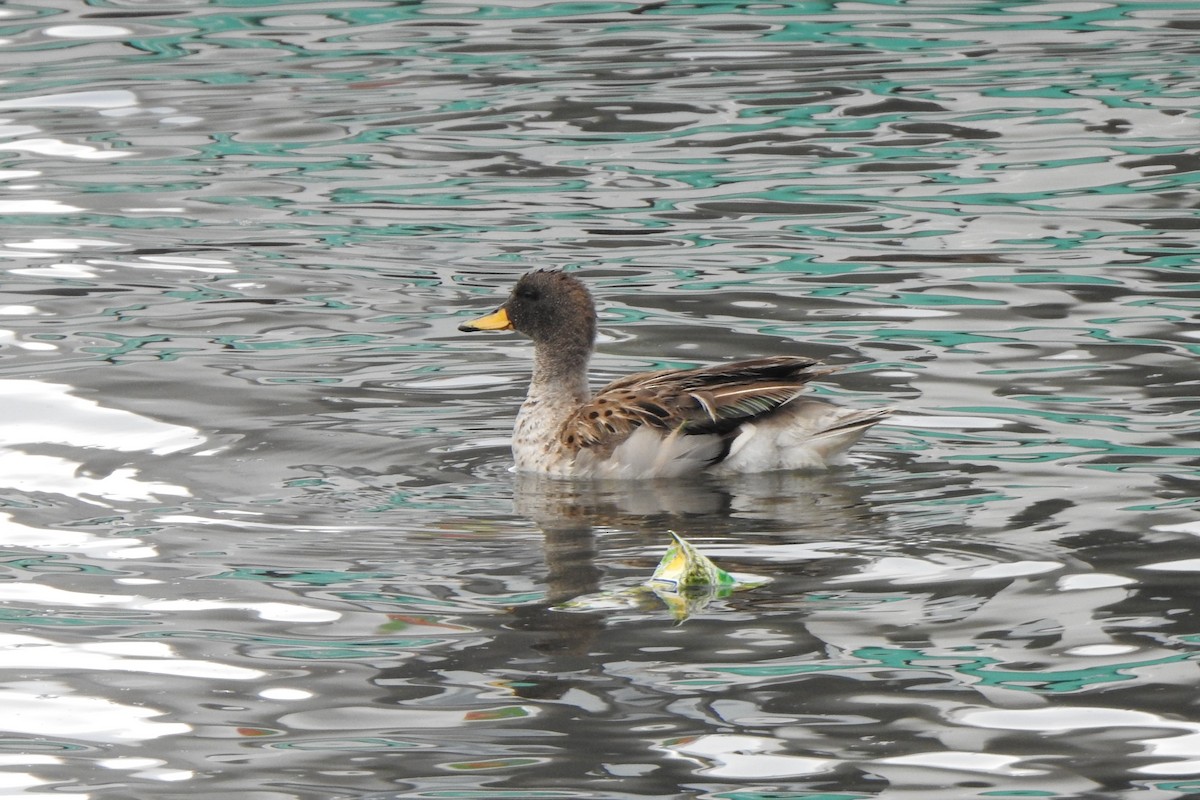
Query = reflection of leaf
x=682 y=604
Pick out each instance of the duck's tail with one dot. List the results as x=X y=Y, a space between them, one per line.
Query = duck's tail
x=806 y=434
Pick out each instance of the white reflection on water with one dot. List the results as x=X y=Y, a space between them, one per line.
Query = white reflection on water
x=192 y=519
x=60 y=245
x=61 y=149
x=51 y=708
x=36 y=412
x=1106 y=722
x=961 y=761
x=1192 y=528
x=32 y=653
x=213 y=266
x=1094 y=580
x=35 y=206
x=39 y=414
x=739 y=756
x=62 y=271
x=34 y=474
x=149 y=768
x=948 y=421
x=1182 y=565
x=108 y=98
x=29 y=592
x=21 y=781
x=16 y=534
x=952 y=567
x=85 y=31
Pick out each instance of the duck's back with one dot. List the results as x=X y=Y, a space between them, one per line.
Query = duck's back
x=739 y=417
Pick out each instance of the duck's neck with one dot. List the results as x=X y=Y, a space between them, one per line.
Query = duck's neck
x=560 y=372
x=556 y=391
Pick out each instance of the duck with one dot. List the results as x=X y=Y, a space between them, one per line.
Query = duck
x=727 y=418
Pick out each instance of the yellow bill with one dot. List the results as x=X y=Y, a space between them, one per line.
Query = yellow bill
x=496 y=321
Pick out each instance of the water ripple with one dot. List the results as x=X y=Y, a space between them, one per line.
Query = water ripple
x=256 y=506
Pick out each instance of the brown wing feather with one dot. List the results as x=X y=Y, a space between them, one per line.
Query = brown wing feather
x=712 y=399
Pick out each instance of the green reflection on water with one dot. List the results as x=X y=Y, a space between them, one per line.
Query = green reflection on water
x=952 y=341
x=1084 y=447
x=75 y=618
x=981 y=670
x=907 y=299
x=301 y=577
x=1057 y=276
x=1186 y=787
x=142 y=345
x=751 y=794
x=54 y=563
x=255 y=343
x=39 y=745
x=1114 y=421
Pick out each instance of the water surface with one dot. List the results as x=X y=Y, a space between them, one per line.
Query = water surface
x=259 y=532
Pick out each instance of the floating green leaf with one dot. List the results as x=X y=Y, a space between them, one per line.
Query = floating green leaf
x=685 y=580
x=683 y=567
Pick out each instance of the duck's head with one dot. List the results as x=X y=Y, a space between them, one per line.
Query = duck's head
x=548 y=306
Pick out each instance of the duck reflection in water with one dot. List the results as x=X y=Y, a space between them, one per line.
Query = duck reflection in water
x=570 y=514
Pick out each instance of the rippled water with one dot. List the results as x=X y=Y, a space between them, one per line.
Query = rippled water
x=259 y=533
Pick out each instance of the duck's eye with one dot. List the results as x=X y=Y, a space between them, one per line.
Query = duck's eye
x=528 y=293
